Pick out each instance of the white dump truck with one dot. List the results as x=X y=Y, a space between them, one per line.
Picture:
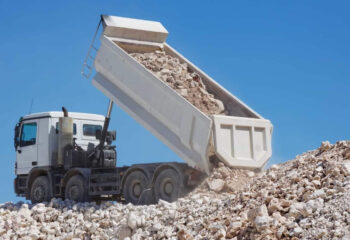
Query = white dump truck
x=69 y=155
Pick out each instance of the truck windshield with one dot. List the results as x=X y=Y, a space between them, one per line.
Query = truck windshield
x=90 y=130
x=28 y=135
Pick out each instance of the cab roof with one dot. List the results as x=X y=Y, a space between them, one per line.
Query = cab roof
x=74 y=115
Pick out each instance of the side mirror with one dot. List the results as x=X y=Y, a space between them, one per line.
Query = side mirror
x=16 y=137
x=111 y=136
x=98 y=134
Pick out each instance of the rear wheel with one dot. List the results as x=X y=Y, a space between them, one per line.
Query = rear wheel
x=40 y=190
x=168 y=185
x=75 y=189
x=134 y=187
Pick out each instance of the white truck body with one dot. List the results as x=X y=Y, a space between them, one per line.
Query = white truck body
x=42 y=151
x=241 y=139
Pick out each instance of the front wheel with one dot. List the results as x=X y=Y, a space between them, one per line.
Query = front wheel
x=75 y=189
x=40 y=190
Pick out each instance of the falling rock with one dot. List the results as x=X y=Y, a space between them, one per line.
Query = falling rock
x=224 y=171
x=216 y=185
x=231 y=186
x=220 y=105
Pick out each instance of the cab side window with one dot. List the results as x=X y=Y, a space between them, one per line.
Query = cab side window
x=28 y=134
x=90 y=130
x=74 y=128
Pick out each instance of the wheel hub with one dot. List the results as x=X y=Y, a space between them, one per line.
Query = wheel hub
x=137 y=189
x=168 y=188
x=39 y=193
x=74 y=192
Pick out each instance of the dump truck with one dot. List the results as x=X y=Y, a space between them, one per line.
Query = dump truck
x=71 y=156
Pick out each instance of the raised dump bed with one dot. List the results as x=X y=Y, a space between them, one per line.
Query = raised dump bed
x=240 y=138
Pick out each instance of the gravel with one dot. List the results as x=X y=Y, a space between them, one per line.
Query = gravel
x=305 y=198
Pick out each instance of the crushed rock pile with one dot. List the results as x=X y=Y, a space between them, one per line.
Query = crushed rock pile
x=182 y=79
x=305 y=198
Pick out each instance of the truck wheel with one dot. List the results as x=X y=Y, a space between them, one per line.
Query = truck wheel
x=75 y=189
x=40 y=190
x=168 y=185
x=134 y=186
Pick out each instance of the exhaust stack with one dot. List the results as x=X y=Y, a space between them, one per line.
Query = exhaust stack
x=65 y=135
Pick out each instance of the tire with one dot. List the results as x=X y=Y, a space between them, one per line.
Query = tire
x=40 y=190
x=134 y=187
x=76 y=190
x=168 y=185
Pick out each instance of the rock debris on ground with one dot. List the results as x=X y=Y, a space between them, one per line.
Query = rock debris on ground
x=305 y=198
x=182 y=79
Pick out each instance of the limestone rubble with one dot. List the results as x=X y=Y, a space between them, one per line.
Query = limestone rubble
x=305 y=198
x=182 y=79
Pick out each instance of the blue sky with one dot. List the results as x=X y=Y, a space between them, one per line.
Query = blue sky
x=288 y=60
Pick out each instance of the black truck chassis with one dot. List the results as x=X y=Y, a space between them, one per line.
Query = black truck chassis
x=138 y=184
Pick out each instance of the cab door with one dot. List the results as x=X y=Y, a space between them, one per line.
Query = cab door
x=27 y=150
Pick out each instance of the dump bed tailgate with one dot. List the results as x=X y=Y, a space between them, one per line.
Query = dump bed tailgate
x=242 y=142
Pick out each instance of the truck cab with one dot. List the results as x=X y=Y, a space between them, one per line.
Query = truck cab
x=36 y=138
